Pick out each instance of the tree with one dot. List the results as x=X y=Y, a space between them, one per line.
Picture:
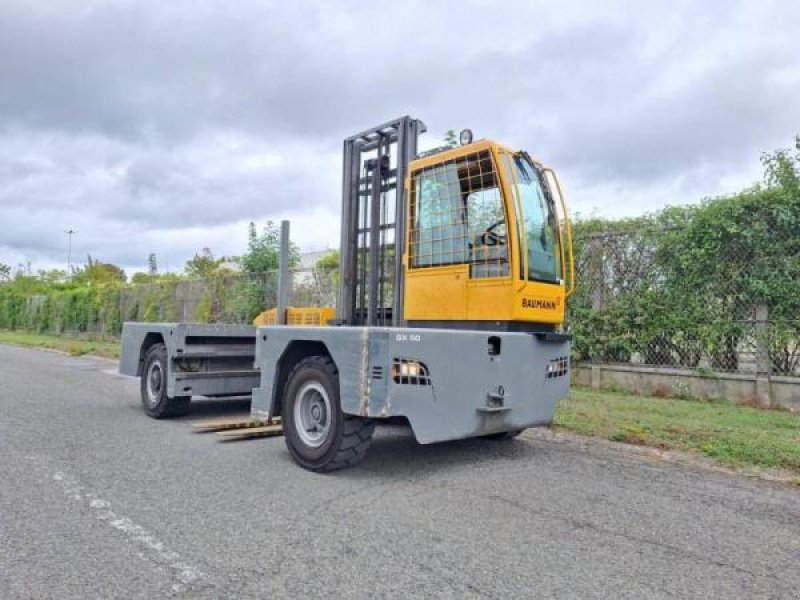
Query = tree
x=325 y=276
x=263 y=250
x=329 y=261
x=140 y=277
x=260 y=263
x=450 y=138
x=152 y=264
x=27 y=284
x=52 y=276
x=203 y=265
x=96 y=272
x=5 y=272
x=782 y=171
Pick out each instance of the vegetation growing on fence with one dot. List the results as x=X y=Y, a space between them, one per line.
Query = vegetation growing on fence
x=699 y=285
x=96 y=298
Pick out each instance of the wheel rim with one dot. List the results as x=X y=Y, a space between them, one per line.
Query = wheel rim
x=312 y=414
x=155 y=382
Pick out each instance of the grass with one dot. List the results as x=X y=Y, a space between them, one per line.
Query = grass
x=731 y=434
x=72 y=346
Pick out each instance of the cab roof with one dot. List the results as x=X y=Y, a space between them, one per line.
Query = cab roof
x=438 y=156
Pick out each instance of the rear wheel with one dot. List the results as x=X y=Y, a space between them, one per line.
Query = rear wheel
x=319 y=436
x=153 y=386
x=503 y=435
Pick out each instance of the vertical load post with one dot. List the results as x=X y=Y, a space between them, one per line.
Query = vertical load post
x=283 y=275
x=373 y=223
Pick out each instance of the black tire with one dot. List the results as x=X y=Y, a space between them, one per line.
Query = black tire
x=153 y=386
x=503 y=435
x=319 y=436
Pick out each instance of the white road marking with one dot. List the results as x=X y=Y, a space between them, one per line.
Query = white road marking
x=153 y=548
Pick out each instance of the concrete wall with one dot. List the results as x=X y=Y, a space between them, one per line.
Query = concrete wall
x=775 y=391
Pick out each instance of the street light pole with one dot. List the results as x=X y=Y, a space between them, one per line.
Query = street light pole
x=70 y=233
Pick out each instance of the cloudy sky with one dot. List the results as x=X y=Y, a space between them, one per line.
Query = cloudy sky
x=154 y=126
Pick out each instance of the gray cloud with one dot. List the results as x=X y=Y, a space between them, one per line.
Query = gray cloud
x=153 y=126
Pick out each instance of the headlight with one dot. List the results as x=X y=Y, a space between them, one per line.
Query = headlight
x=558 y=367
x=410 y=371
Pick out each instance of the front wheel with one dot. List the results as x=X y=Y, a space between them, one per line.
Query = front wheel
x=319 y=436
x=153 y=386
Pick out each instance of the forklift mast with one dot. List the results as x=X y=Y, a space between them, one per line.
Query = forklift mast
x=373 y=223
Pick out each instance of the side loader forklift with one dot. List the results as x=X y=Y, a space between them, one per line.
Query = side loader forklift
x=455 y=265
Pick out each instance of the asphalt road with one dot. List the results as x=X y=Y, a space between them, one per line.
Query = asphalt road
x=98 y=501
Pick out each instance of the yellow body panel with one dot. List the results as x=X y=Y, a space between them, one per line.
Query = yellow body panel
x=489 y=299
x=436 y=293
x=535 y=303
x=297 y=316
x=539 y=303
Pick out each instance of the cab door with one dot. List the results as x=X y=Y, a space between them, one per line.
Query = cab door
x=436 y=274
x=490 y=286
x=459 y=256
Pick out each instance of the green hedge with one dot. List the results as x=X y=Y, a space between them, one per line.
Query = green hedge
x=682 y=287
x=101 y=309
x=90 y=309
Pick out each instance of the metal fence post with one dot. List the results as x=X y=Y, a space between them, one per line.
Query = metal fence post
x=763 y=363
x=121 y=310
x=283 y=277
x=597 y=275
x=597 y=279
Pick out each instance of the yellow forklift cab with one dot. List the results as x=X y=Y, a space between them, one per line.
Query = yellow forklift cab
x=485 y=246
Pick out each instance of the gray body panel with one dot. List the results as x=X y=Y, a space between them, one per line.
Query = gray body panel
x=471 y=392
x=204 y=360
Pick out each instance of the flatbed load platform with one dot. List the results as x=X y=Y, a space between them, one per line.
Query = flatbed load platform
x=204 y=360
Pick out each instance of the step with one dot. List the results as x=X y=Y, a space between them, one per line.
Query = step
x=181 y=375
x=216 y=354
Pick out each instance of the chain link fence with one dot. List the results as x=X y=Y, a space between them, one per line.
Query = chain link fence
x=672 y=297
x=683 y=297
x=99 y=311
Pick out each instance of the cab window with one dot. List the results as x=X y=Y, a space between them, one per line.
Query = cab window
x=538 y=224
x=457 y=217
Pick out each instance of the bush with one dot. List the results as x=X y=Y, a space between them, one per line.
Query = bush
x=683 y=285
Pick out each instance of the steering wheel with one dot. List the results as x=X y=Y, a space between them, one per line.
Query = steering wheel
x=490 y=238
